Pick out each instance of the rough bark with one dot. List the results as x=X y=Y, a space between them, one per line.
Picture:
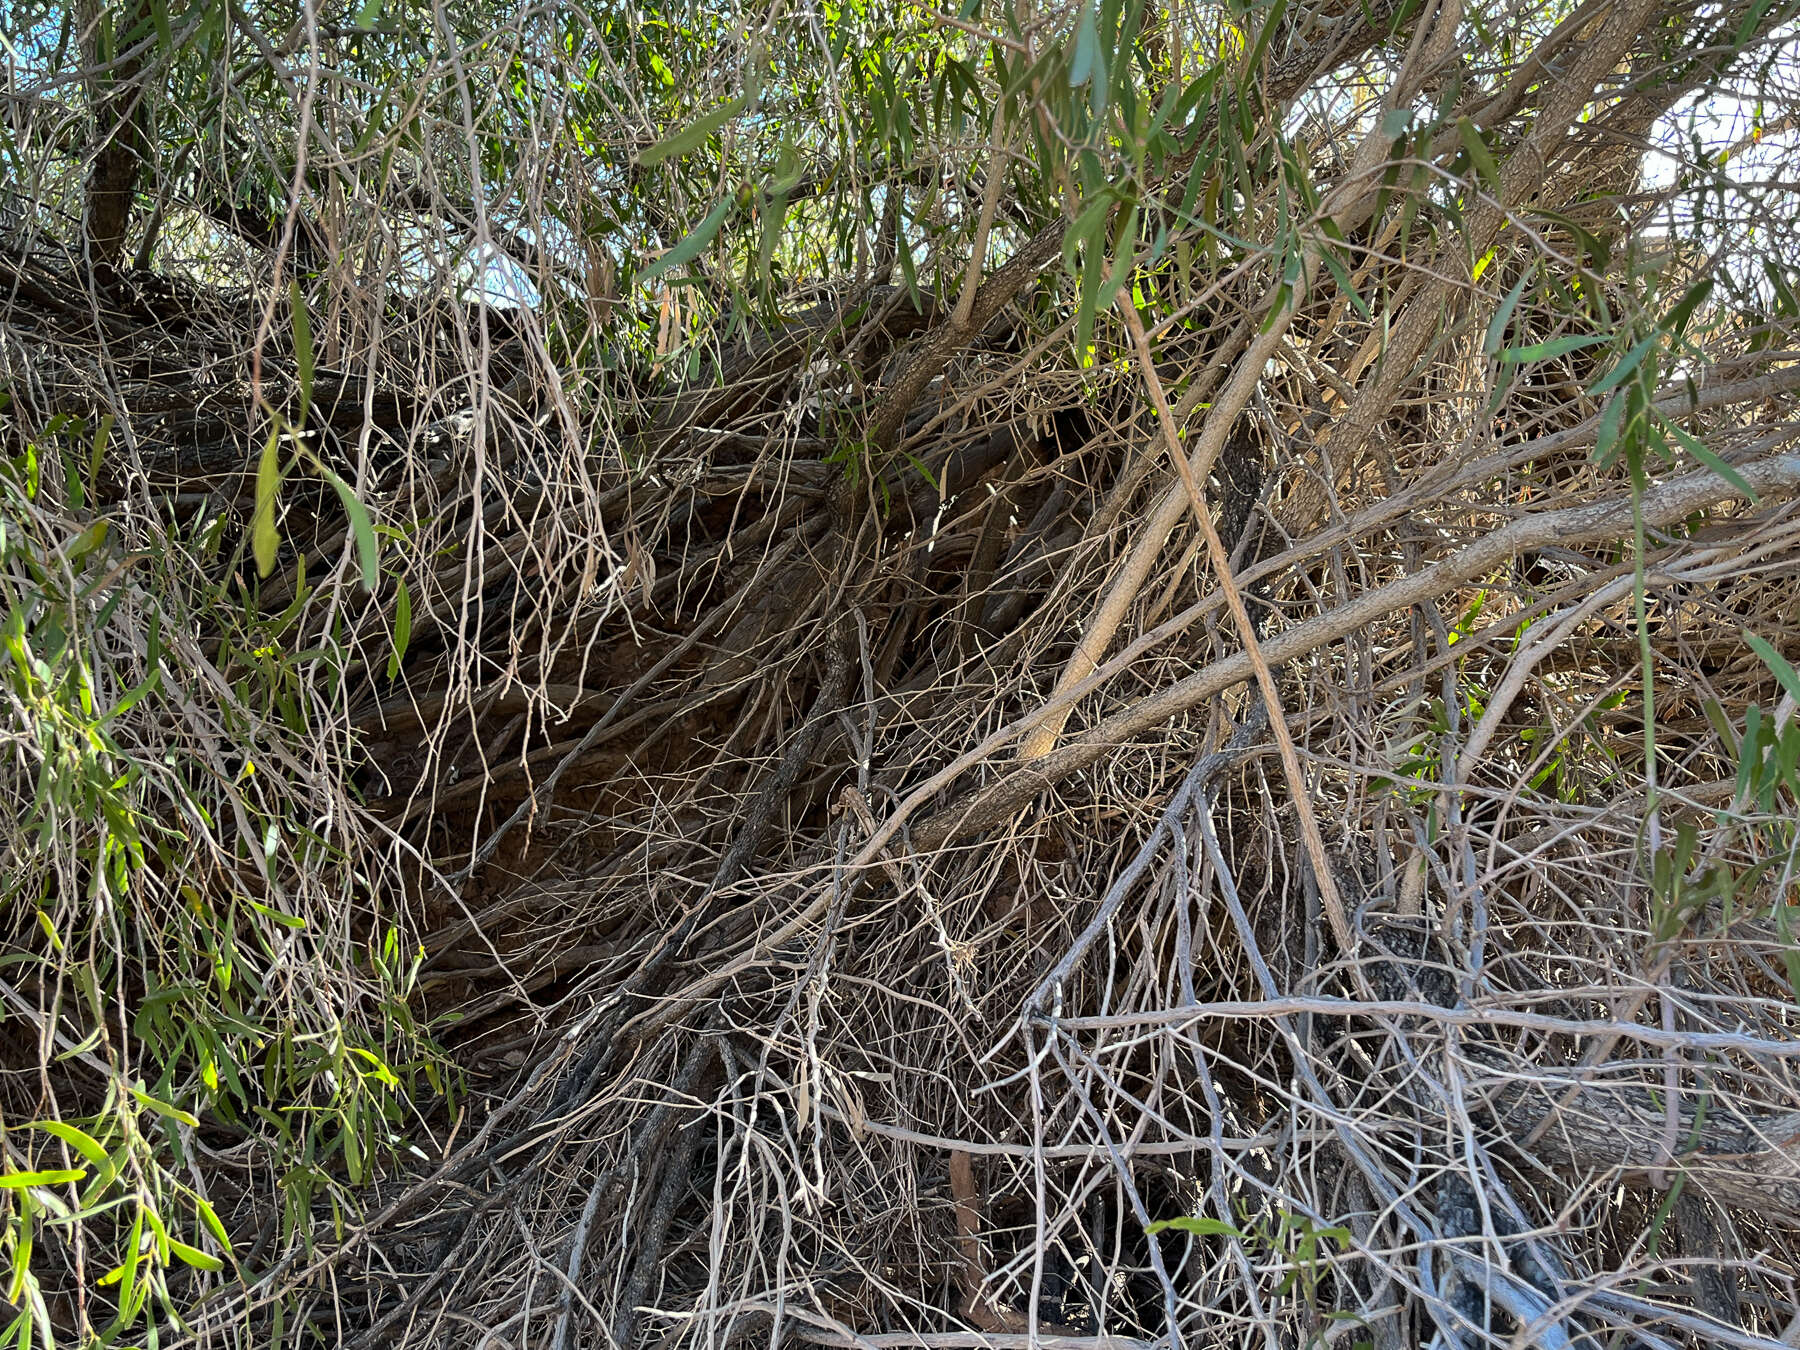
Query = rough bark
x=121 y=144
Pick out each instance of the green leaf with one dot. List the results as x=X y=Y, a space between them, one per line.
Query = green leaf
x=774 y=214
x=1200 y=1226
x=52 y=1176
x=353 y=1159
x=360 y=526
x=1790 y=949
x=1270 y=24
x=1721 y=724
x=1496 y=331
x=924 y=471
x=26 y=1228
x=402 y=626
x=125 y=1274
x=83 y=1143
x=754 y=64
x=163 y=1108
x=1747 y=25
x=210 y=1217
x=263 y=539
x=1696 y=296
x=1087 y=48
x=303 y=349
x=194 y=1257
x=1627 y=364
x=1608 y=431
x=137 y=693
x=691 y=137
x=1786 y=302
x=382 y=1074
x=1345 y=286
x=1093 y=274
x=688 y=249
x=368 y=14
x=88 y=540
x=158 y=1231
x=269 y=912
x=1089 y=225
x=1479 y=154
x=107 y=1174
x=102 y=432
x=1599 y=256
x=909 y=271
x=1784 y=673
x=1197 y=92
x=1543 y=351
x=1124 y=258
x=1699 y=451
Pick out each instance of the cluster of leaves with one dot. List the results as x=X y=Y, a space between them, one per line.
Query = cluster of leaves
x=172 y=913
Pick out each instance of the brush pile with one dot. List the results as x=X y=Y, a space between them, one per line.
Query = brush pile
x=1143 y=695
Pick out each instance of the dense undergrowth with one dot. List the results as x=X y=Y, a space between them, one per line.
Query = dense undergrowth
x=848 y=674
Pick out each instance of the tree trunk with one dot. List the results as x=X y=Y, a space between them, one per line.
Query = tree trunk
x=121 y=127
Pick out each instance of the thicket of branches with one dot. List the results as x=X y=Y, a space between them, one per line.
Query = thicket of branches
x=1086 y=674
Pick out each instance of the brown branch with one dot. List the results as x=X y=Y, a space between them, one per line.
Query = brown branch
x=1522 y=177
x=1609 y=518
x=1240 y=615
x=1748 y=1165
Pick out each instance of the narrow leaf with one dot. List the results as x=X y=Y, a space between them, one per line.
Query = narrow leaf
x=1276 y=13
x=263 y=538
x=269 y=912
x=53 y=1176
x=210 y=1217
x=163 y=1108
x=1479 y=154
x=360 y=526
x=1695 y=297
x=688 y=249
x=1087 y=48
x=1200 y=1226
x=1699 y=451
x=1124 y=257
x=1608 y=431
x=1088 y=226
x=1496 y=331
x=303 y=349
x=79 y=1140
x=402 y=626
x=1774 y=660
x=102 y=432
x=1627 y=364
x=1342 y=276
x=1543 y=351
x=194 y=1257
x=691 y=137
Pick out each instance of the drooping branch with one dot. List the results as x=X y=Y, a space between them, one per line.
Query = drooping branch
x=1353 y=34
